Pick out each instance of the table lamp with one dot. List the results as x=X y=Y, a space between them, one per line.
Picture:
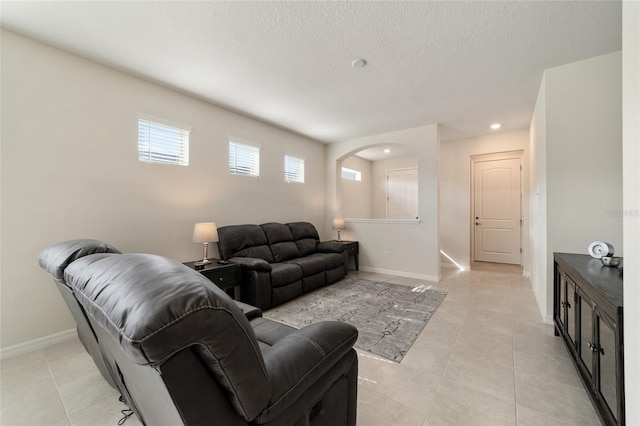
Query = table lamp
x=205 y=233
x=338 y=223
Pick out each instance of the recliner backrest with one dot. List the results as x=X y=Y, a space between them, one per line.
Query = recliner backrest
x=281 y=242
x=154 y=308
x=306 y=237
x=55 y=259
x=244 y=241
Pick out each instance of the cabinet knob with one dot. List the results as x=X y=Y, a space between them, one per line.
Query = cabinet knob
x=594 y=348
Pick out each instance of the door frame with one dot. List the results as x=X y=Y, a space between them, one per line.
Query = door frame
x=481 y=158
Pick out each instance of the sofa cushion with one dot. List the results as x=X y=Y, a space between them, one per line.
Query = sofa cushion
x=310 y=265
x=243 y=241
x=281 y=241
x=285 y=273
x=330 y=260
x=306 y=237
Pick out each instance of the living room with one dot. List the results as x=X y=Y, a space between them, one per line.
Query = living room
x=71 y=170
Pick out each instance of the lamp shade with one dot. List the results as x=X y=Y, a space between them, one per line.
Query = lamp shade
x=338 y=223
x=205 y=233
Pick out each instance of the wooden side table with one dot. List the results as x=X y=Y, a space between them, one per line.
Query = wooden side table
x=225 y=276
x=352 y=248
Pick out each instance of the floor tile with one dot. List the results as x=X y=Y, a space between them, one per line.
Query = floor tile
x=460 y=406
x=32 y=405
x=377 y=409
x=85 y=391
x=69 y=361
x=555 y=400
x=473 y=373
x=106 y=412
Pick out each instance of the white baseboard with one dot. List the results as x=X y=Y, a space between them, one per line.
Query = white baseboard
x=548 y=319
x=42 y=342
x=401 y=273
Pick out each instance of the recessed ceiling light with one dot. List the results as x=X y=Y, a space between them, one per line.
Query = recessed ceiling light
x=387 y=150
x=358 y=63
x=496 y=126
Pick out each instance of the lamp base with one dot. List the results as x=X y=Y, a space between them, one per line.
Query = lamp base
x=203 y=262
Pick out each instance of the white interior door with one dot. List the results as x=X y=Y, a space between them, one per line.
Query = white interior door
x=402 y=194
x=497 y=217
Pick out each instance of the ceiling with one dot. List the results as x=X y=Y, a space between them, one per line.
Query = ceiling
x=464 y=65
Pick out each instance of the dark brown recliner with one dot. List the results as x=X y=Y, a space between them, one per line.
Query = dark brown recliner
x=187 y=354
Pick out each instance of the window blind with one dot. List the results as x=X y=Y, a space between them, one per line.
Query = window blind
x=244 y=159
x=293 y=169
x=159 y=143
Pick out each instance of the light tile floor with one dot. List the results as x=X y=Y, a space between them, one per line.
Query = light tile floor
x=485 y=358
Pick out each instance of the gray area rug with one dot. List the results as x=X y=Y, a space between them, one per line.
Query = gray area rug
x=389 y=317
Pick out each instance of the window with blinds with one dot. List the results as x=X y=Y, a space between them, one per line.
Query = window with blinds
x=293 y=169
x=351 y=174
x=160 y=143
x=244 y=159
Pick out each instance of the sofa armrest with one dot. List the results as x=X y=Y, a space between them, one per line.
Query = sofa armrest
x=300 y=359
x=252 y=263
x=249 y=311
x=330 y=247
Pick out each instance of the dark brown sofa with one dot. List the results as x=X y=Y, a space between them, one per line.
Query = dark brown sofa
x=281 y=261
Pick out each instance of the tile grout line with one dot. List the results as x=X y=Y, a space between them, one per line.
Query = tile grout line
x=435 y=394
x=513 y=351
x=55 y=383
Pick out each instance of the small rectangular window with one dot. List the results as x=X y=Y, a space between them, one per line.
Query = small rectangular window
x=244 y=159
x=351 y=174
x=293 y=169
x=160 y=143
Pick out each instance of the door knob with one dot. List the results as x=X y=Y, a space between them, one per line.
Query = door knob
x=478 y=223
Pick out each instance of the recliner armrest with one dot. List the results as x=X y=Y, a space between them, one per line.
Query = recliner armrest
x=298 y=360
x=252 y=263
x=330 y=247
x=249 y=311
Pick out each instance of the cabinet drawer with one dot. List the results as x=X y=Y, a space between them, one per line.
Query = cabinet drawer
x=351 y=249
x=224 y=279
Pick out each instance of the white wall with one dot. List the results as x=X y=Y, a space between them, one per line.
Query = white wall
x=538 y=202
x=455 y=191
x=70 y=170
x=379 y=171
x=393 y=247
x=631 y=220
x=582 y=145
x=356 y=195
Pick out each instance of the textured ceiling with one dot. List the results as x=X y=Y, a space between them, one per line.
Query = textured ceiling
x=464 y=65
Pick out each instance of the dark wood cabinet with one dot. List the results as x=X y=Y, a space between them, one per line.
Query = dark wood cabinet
x=587 y=312
x=226 y=276
x=352 y=248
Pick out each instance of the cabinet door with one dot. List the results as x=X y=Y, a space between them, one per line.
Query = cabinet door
x=607 y=383
x=586 y=340
x=570 y=302
x=558 y=298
